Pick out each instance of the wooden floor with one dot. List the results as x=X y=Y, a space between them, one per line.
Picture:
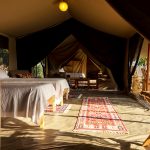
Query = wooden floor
x=21 y=134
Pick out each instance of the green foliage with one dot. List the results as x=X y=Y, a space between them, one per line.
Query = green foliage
x=142 y=61
x=4 y=56
x=37 y=71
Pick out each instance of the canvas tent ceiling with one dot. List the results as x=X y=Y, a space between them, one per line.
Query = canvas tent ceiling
x=135 y=12
x=24 y=17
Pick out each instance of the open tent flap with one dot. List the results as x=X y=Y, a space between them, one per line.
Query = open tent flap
x=61 y=55
x=74 y=58
x=105 y=48
x=76 y=62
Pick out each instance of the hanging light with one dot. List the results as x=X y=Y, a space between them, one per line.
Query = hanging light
x=63 y=6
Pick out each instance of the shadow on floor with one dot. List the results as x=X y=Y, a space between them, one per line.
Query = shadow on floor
x=19 y=135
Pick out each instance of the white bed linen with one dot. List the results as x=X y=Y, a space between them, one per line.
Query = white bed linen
x=25 y=98
x=60 y=84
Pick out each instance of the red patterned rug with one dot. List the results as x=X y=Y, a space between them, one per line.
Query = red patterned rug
x=98 y=114
x=59 y=109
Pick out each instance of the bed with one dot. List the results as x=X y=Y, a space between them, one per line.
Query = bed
x=21 y=95
x=25 y=99
x=60 y=84
x=62 y=88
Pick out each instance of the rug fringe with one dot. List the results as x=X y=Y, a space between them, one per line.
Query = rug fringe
x=61 y=110
x=99 y=131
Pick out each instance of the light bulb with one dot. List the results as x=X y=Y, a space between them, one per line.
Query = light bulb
x=63 y=6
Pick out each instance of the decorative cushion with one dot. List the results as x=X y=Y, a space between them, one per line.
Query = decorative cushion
x=24 y=75
x=3 y=74
x=4 y=67
x=20 y=74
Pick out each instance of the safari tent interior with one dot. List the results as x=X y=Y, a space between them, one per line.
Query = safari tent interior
x=93 y=92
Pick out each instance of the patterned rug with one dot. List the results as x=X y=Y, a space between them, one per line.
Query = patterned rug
x=97 y=114
x=59 y=109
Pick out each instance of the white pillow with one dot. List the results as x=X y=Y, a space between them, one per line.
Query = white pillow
x=3 y=74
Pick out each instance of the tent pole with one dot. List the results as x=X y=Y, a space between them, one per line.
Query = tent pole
x=126 y=69
x=148 y=63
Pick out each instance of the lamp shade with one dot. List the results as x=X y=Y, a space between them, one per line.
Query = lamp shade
x=63 y=6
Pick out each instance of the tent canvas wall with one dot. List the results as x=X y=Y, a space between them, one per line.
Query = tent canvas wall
x=106 y=49
x=76 y=61
x=72 y=57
